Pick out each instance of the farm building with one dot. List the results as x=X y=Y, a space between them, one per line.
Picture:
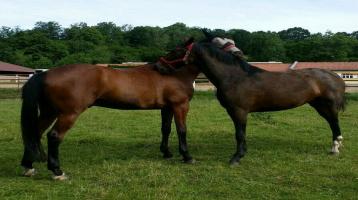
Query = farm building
x=272 y=66
x=7 y=68
x=347 y=70
x=13 y=76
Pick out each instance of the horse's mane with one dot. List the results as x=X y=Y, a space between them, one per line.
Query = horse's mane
x=227 y=58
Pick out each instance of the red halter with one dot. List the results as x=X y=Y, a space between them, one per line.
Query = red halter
x=170 y=63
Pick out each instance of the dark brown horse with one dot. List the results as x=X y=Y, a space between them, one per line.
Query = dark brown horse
x=243 y=88
x=61 y=94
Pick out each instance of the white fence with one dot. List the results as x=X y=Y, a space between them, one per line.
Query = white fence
x=13 y=81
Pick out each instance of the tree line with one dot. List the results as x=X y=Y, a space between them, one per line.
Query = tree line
x=48 y=44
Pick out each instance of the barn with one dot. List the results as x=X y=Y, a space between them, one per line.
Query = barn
x=7 y=68
x=13 y=76
x=347 y=70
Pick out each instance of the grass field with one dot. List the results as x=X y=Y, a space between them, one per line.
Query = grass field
x=114 y=154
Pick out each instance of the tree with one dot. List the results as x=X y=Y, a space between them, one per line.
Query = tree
x=125 y=54
x=295 y=34
x=48 y=44
x=266 y=47
x=112 y=33
x=354 y=34
x=242 y=38
x=82 y=38
x=146 y=36
x=6 y=32
x=51 y=29
x=176 y=34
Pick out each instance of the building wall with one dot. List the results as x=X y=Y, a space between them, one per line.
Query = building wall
x=350 y=78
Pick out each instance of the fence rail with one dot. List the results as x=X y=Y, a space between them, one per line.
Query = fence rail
x=201 y=82
x=12 y=81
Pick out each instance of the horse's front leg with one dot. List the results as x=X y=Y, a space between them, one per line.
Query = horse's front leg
x=167 y=117
x=180 y=112
x=239 y=117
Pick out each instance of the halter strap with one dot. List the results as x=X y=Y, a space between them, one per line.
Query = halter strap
x=170 y=63
x=228 y=46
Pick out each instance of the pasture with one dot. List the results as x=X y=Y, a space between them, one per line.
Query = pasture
x=114 y=154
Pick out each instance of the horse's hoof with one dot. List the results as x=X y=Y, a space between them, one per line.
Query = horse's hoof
x=167 y=155
x=189 y=161
x=234 y=163
x=335 y=147
x=334 y=152
x=29 y=172
x=60 y=177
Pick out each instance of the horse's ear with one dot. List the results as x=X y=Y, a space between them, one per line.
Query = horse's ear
x=189 y=41
x=207 y=34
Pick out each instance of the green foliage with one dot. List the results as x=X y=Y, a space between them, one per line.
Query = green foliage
x=146 y=36
x=48 y=44
x=52 y=30
x=266 y=46
x=112 y=34
x=295 y=34
x=125 y=54
x=242 y=39
x=176 y=34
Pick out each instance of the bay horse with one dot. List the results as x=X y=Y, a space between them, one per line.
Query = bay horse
x=243 y=88
x=61 y=94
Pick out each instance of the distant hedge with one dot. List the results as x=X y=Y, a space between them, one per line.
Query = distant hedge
x=48 y=44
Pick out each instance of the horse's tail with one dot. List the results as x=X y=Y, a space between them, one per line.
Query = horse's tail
x=342 y=103
x=31 y=93
x=342 y=100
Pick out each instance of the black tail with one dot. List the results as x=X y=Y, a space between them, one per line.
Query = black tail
x=31 y=93
x=341 y=105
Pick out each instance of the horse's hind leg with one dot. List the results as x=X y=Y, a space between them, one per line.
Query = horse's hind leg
x=328 y=110
x=54 y=138
x=167 y=117
x=46 y=118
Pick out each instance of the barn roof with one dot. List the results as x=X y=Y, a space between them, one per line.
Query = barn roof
x=14 y=69
x=281 y=67
x=272 y=66
x=335 y=66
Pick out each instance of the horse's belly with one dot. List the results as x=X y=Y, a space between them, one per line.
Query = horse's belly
x=129 y=102
x=276 y=104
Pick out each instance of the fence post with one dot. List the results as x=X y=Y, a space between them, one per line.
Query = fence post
x=18 y=81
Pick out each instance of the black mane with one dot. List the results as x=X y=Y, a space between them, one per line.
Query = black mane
x=227 y=58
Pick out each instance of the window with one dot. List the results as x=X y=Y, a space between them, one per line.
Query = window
x=347 y=75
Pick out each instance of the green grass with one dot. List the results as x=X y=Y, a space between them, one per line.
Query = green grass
x=9 y=93
x=114 y=154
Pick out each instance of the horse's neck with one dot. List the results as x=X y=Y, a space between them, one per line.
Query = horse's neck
x=189 y=72
x=216 y=71
x=192 y=71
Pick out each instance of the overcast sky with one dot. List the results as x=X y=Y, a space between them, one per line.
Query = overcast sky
x=251 y=15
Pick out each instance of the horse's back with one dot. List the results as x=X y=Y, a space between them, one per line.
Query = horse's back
x=73 y=86
x=82 y=85
x=146 y=87
x=328 y=81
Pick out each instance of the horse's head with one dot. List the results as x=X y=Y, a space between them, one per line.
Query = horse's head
x=176 y=58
